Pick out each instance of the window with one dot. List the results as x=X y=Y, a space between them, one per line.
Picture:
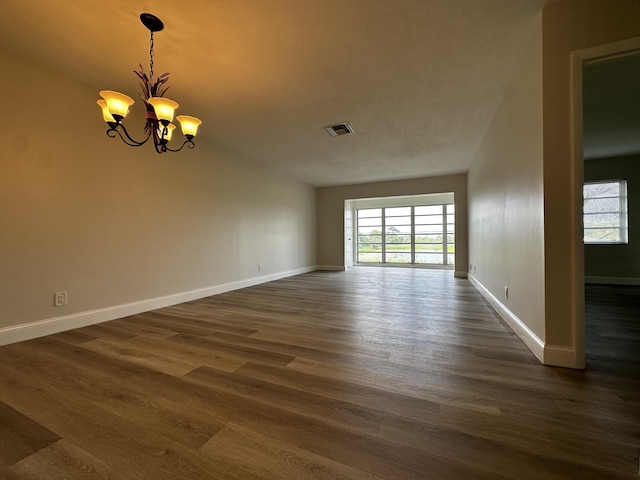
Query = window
x=407 y=235
x=605 y=212
x=397 y=235
x=370 y=235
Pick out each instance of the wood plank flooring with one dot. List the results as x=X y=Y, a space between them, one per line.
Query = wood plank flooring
x=375 y=373
x=612 y=329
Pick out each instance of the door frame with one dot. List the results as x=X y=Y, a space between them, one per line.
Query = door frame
x=578 y=59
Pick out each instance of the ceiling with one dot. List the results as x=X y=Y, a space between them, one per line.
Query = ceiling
x=419 y=80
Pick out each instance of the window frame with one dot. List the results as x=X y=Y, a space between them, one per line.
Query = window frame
x=447 y=212
x=622 y=210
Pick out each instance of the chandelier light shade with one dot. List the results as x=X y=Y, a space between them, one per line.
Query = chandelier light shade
x=189 y=125
x=117 y=103
x=105 y=111
x=160 y=110
x=164 y=109
x=165 y=133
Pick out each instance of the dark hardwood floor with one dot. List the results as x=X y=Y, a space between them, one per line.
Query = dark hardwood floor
x=368 y=374
x=612 y=328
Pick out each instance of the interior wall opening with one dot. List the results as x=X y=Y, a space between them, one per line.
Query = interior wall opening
x=611 y=202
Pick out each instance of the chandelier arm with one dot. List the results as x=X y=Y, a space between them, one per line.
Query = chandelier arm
x=160 y=148
x=157 y=143
x=112 y=133
x=189 y=143
x=126 y=138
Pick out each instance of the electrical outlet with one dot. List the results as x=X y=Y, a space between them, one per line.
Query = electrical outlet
x=506 y=293
x=259 y=267
x=59 y=299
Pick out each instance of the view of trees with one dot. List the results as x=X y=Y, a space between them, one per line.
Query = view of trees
x=429 y=244
x=605 y=212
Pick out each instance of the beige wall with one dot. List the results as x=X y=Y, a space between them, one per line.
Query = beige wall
x=509 y=171
x=330 y=213
x=506 y=239
x=110 y=224
x=569 y=26
x=616 y=263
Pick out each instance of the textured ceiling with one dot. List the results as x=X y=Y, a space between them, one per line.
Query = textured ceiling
x=419 y=80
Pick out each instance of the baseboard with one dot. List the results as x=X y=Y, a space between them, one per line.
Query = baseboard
x=49 y=326
x=529 y=338
x=459 y=274
x=332 y=268
x=560 y=356
x=612 y=280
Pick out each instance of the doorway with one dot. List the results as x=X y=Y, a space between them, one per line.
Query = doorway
x=606 y=123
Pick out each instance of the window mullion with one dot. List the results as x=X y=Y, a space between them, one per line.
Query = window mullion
x=384 y=236
x=444 y=235
x=413 y=236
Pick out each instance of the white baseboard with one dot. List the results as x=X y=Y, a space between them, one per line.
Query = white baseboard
x=612 y=280
x=49 y=326
x=529 y=338
x=559 y=356
x=332 y=268
x=556 y=355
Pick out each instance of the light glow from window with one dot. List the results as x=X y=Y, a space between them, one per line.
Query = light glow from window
x=605 y=212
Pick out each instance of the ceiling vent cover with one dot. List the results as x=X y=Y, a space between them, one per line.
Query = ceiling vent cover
x=338 y=129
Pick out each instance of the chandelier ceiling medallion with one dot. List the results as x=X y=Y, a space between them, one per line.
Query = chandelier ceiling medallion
x=158 y=126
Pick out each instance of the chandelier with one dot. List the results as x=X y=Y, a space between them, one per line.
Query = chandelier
x=159 y=116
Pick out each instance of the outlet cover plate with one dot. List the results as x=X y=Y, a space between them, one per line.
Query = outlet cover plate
x=59 y=299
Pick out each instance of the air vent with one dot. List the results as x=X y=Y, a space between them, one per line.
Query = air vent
x=338 y=129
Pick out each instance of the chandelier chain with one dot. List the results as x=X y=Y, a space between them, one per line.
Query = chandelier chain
x=151 y=57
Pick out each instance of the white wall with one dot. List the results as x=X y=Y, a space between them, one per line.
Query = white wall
x=505 y=189
x=118 y=226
